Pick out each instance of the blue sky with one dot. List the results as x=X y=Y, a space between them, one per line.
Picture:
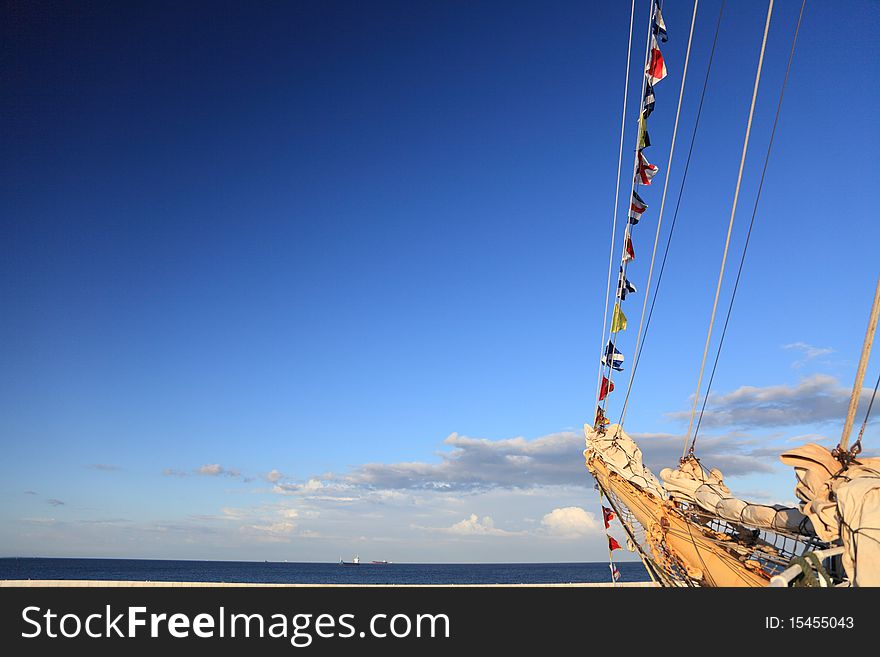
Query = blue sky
x=259 y=264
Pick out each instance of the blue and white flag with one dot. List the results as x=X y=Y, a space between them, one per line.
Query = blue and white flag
x=649 y=100
x=612 y=357
x=624 y=287
x=659 y=26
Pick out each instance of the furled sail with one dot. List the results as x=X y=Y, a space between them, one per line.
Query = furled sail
x=620 y=454
x=689 y=483
x=843 y=504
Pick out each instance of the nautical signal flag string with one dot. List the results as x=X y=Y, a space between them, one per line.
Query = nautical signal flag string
x=655 y=71
x=607 y=516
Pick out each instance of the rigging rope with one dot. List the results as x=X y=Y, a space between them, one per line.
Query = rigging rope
x=751 y=225
x=730 y=225
x=867 y=415
x=617 y=187
x=687 y=166
x=662 y=205
x=626 y=231
x=873 y=318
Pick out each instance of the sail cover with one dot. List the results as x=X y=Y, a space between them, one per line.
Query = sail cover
x=620 y=453
x=689 y=483
x=842 y=504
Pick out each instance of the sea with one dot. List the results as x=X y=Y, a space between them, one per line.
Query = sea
x=273 y=572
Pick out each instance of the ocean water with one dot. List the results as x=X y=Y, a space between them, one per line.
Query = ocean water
x=316 y=573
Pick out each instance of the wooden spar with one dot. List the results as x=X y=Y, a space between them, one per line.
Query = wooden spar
x=860 y=373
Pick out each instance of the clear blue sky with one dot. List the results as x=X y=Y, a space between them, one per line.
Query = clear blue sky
x=308 y=236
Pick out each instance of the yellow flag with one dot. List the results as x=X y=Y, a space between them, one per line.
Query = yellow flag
x=618 y=319
x=644 y=139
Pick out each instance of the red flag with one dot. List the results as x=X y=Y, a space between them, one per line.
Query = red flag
x=629 y=253
x=607 y=386
x=656 y=70
x=607 y=515
x=612 y=544
x=615 y=574
x=645 y=171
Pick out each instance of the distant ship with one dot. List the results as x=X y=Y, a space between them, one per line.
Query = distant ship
x=383 y=562
x=354 y=562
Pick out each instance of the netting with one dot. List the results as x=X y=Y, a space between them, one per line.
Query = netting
x=769 y=551
x=659 y=562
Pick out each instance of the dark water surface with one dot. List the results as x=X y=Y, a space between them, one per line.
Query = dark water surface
x=315 y=573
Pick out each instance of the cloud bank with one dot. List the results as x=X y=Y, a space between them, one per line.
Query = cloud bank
x=533 y=495
x=816 y=399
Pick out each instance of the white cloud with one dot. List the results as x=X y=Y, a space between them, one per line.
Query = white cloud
x=273 y=476
x=279 y=530
x=270 y=522
x=809 y=352
x=472 y=526
x=569 y=522
x=313 y=485
x=208 y=470
x=215 y=470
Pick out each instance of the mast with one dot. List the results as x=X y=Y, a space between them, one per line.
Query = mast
x=860 y=373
